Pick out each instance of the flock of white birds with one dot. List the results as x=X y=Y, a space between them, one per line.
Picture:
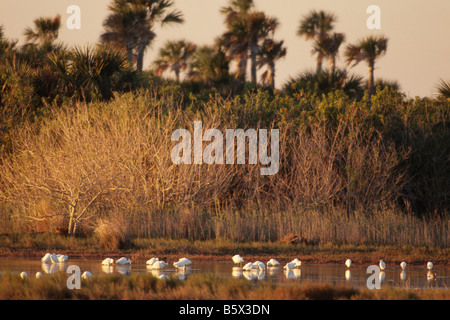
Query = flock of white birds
x=182 y=263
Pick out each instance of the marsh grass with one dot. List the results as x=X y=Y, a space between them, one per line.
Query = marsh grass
x=105 y=168
x=198 y=287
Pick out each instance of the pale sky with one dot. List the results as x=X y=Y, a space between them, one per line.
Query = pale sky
x=419 y=31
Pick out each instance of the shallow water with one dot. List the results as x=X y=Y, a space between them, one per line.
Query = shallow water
x=413 y=277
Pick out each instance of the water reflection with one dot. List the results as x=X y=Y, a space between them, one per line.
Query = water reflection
x=348 y=274
x=403 y=275
x=236 y=272
x=356 y=276
x=125 y=269
x=254 y=274
x=293 y=273
x=382 y=276
x=107 y=269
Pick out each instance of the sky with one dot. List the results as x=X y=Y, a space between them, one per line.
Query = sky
x=418 y=54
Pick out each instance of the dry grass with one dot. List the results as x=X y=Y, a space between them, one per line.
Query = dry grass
x=113 y=233
x=204 y=287
x=85 y=165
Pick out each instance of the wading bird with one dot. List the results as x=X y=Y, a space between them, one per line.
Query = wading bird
x=348 y=263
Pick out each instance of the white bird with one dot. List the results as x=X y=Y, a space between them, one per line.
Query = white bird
x=248 y=266
x=403 y=265
x=259 y=265
x=38 y=275
x=382 y=265
x=237 y=259
x=289 y=265
x=23 y=274
x=123 y=260
x=159 y=265
x=54 y=258
x=272 y=263
x=186 y=261
x=348 y=263
x=61 y=257
x=86 y=275
x=180 y=264
x=151 y=261
x=46 y=258
x=430 y=265
x=297 y=262
x=107 y=262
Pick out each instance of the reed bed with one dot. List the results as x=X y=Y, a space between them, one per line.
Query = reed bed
x=95 y=168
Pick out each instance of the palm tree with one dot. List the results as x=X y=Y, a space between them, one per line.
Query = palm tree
x=89 y=72
x=444 y=89
x=316 y=26
x=313 y=83
x=209 y=64
x=174 y=56
x=328 y=47
x=6 y=46
x=246 y=28
x=131 y=24
x=45 y=30
x=368 y=49
x=270 y=52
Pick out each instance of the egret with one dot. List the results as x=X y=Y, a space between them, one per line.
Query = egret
x=159 y=265
x=296 y=262
x=107 y=262
x=180 y=264
x=151 y=261
x=54 y=258
x=186 y=261
x=38 y=275
x=86 y=275
x=259 y=265
x=23 y=275
x=289 y=265
x=272 y=263
x=61 y=257
x=382 y=265
x=46 y=258
x=123 y=260
x=348 y=263
x=248 y=266
x=430 y=265
x=403 y=265
x=237 y=259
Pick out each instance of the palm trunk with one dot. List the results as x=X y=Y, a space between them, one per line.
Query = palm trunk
x=319 y=65
x=272 y=76
x=242 y=67
x=140 y=57
x=332 y=64
x=177 y=75
x=370 y=82
x=145 y=41
x=130 y=54
x=253 y=54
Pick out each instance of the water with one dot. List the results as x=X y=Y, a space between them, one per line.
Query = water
x=413 y=277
